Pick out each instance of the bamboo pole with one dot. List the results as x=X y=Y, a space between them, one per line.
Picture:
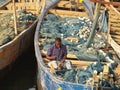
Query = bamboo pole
x=15 y=19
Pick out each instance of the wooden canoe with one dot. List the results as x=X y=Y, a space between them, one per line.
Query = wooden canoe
x=10 y=51
x=45 y=78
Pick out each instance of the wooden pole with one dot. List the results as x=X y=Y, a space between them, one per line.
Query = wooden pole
x=95 y=11
x=15 y=19
x=108 y=32
x=37 y=6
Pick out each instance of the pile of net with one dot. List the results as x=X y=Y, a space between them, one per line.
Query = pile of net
x=85 y=76
x=7 y=33
x=72 y=27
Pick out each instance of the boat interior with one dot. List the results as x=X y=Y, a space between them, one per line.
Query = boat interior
x=66 y=8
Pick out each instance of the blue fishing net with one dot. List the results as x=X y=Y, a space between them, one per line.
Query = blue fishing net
x=76 y=27
x=82 y=75
x=7 y=33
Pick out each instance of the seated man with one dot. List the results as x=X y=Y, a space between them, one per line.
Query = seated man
x=57 y=54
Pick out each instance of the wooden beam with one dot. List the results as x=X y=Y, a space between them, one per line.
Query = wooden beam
x=66 y=4
x=75 y=62
x=104 y=2
x=115 y=25
x=115 y=28
x=68 y=13
x=6 y=11
x=114 y=21
x=116 y=36
x=115 y=33
x=23 y=4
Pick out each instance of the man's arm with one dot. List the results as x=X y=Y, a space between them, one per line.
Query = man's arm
x=49 y=54
x=63 y=59
x=51 y=57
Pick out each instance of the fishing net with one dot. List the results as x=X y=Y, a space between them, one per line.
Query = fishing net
x=79 y=28
x=7 y=33
x=81 y=76
x=74 y=27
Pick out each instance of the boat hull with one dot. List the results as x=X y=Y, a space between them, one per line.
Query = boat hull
x=10 y=51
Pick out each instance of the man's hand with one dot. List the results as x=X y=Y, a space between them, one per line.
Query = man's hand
x=59 y=65
x=53 y=57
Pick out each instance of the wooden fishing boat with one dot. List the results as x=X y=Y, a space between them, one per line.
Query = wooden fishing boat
x=11 y=50
x=114 y=27
x=45 y=78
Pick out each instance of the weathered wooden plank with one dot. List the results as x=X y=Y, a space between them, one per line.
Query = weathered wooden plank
x=11 y=11
x=108 y=3
x=115 y=25
x=66 y=4
x=75 y=62
x=6 y=11
x=115 y=28
x=23 y=4
x=67 y=13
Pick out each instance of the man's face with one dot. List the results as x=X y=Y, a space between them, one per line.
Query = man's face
x=58 y=44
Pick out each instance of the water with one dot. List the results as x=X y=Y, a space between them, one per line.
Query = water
x=23 y=73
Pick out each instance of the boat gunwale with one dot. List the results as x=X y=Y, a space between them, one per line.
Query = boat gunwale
x=111 y=41
x=19 y=38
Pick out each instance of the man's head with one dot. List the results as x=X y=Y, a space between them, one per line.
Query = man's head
x=58 y=42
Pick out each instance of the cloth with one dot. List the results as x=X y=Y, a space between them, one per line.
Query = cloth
x=59 y=52
x=66 y=64
x=104 y=21
x=90 y=7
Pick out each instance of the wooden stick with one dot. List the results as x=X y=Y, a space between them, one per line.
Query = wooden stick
x=95 y=12
x=15 y=19
x=109 y=3
x=37 y=6
x=108 y=32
